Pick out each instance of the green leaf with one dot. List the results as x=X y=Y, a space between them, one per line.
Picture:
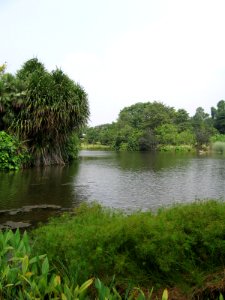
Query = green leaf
x=25 y=263
x=221 y=297
x=165 y=295
x=45 y=266
x=85 y=285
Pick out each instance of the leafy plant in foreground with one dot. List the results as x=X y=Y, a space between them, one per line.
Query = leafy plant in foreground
x=23 y=276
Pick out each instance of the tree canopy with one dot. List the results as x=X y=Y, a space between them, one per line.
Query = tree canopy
x=44 y=109
x=218 y=115
x=147 y=125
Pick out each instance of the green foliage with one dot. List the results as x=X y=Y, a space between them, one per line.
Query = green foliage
x=96 y=146
x=12 y=154
x=148 y=126
x=218 y=143
x=218 y=116
x=73 y=146
x=171 y=148
x=182 y=120
x=12 y=95
x=2 y=69
x=167 y=134
x=219 y=147
x=178 y=246
x=44 y=108
x=202 y=127
x=104 y=134
x=217 y=138
x=23 y=276
x=146 y=115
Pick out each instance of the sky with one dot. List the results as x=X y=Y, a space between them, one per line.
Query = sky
x=123 y=51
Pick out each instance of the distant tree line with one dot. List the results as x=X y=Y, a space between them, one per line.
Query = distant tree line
x=150 y=125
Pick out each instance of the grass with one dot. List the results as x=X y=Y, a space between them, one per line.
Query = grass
x=177 y=148
x=94 y=147
x=178 y=247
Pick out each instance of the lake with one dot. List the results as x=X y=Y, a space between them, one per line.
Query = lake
x=127 y=180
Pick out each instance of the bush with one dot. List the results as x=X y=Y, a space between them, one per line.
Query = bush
x=12 y=154
x=73 y=146
x=176 y=246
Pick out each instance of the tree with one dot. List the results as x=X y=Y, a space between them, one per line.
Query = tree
x=218 y=116
x=50 y=108
x=202 y=127
x=182 y=120
x=12 y=94
x=146 y=116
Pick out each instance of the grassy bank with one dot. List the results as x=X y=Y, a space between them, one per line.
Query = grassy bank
x=181 y=248
x=84 y=146
x=178 y=148
x=177 y=247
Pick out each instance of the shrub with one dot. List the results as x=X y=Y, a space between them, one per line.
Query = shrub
x=12 y=154
x=73 y=146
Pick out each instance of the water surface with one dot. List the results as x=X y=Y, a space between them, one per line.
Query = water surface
x=128 y=181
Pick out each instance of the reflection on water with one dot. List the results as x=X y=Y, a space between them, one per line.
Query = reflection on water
x=123 y=180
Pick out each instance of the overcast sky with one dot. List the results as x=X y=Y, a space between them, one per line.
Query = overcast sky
x=123 y=51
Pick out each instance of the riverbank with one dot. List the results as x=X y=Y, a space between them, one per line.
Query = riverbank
x=84 y=146
x=181 y=248
x=160 y=148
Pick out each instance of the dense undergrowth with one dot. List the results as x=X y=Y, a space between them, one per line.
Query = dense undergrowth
x=181 y=248
x=24 y=276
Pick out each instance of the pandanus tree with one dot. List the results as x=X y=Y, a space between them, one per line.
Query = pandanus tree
x=12 y=93
x=51 y=108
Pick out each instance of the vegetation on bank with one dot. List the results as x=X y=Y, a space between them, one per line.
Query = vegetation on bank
x=23 y=276
x=97 y=146
x=47 y=112
x=155 y=126
x=44 y=110
x=12 y=152
x=180 y=249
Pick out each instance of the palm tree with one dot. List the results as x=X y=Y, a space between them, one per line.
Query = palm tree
x=52 y=108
